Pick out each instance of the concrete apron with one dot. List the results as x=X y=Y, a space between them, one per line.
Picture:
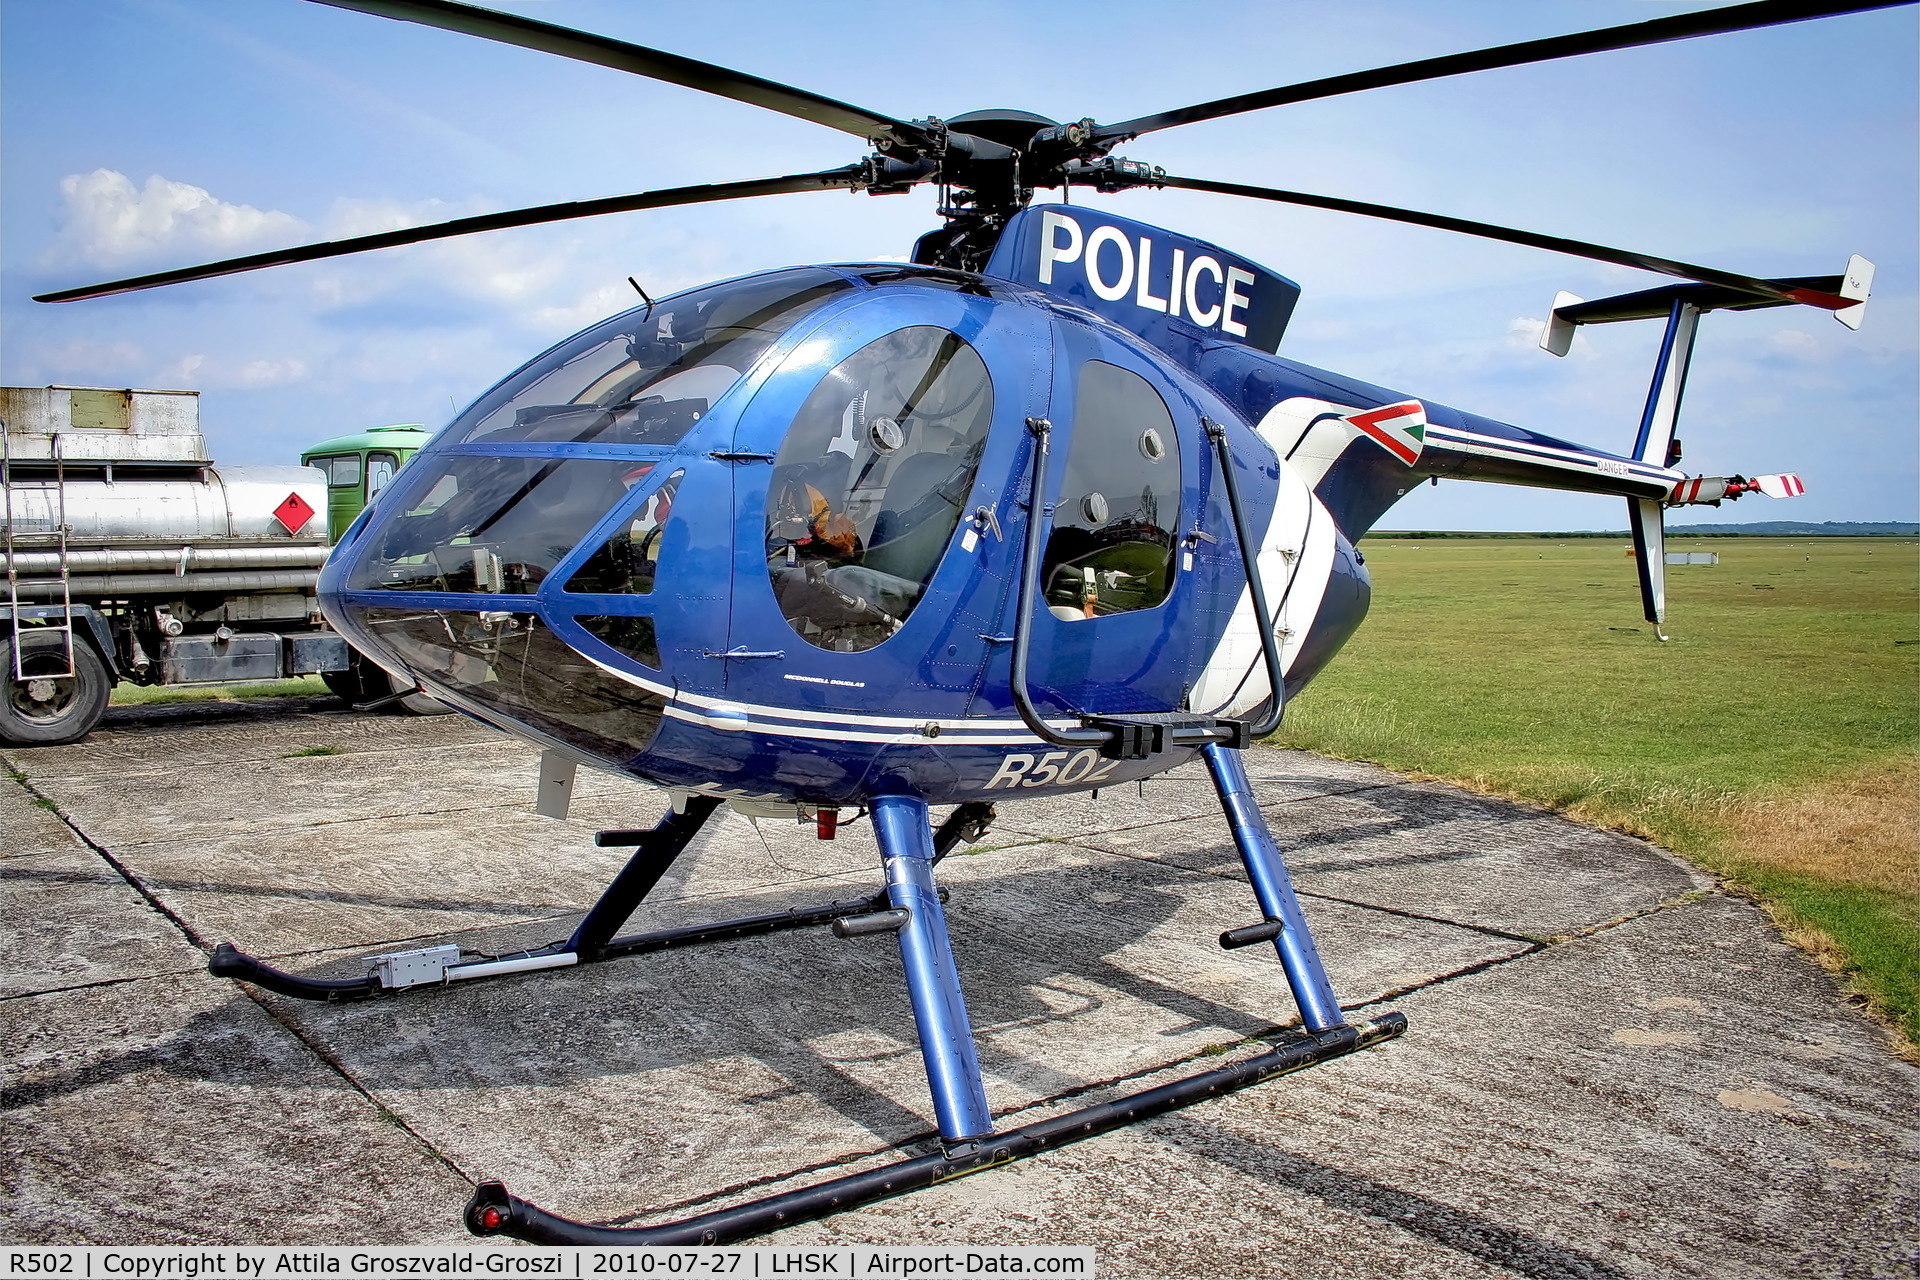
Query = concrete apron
x=1613 y=1068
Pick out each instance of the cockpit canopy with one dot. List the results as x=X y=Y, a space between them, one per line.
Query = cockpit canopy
x=475 y=523
x=545 y=555
x=645 y=377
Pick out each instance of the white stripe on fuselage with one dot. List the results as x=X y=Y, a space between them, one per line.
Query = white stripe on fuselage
x=843 y=726
x=1295 y=563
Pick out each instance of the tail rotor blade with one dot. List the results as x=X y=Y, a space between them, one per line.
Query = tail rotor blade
x=705 y=194
x=1683 y=26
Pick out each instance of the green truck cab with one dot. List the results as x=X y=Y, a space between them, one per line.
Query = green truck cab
x=358 y=466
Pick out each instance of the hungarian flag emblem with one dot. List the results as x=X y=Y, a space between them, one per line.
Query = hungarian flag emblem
x=1400 y=429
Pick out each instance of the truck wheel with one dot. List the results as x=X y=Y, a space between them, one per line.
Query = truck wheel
x=50 y=708
x=349 y=686
x=364 y=681
x=418 y=704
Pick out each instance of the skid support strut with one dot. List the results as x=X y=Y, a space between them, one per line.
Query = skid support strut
x=657 y=852
x=939 y=1010
x=1274 y=890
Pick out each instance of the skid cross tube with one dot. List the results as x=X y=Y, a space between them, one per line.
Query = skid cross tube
x=493 y=1211
x=589 y=943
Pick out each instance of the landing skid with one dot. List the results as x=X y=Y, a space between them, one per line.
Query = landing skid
x=910 y=908
x=493 y=1211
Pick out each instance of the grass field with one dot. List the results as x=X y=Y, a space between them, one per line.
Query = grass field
x=1775 y=740
x=133 y=695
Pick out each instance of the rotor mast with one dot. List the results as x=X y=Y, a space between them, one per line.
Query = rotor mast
x=988 y=165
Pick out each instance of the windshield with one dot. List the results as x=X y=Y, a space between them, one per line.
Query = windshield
x=513 y=664
x=646 y=376
x=494 y=526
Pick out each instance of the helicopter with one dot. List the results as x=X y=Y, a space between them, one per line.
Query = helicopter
x=1039 y=511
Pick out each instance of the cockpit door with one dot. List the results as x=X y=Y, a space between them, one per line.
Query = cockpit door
x=875 y=547
x=863 y=496
x=1111 y=622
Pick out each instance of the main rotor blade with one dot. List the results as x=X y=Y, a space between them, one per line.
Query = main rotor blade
x=1682 y=26
x=1783 y=290
x=466 y=226
x=509 y=28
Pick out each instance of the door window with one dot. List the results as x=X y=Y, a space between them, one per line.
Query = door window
x=1112 y=544
x=380 y=469
x=626 y=562
x=870 y=483
x=343 y=472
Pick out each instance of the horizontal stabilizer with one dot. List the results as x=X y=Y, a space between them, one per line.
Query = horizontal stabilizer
x=1857 y=284
x=1833 y=293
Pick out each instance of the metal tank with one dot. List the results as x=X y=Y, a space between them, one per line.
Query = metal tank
x=124 y=475
x=231 y=506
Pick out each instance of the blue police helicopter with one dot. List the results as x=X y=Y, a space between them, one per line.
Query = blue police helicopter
x=1040 y=512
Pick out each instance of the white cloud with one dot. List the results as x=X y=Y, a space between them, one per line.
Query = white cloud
x=499 y=268
x=271 y=373
x=596 y=304
x=1523 y=332
x=198 y=370
x=109 y=220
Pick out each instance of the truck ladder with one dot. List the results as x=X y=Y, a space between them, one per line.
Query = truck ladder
x=65 y=626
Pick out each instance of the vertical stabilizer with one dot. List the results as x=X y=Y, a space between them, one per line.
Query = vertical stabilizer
x=1648 y=518
x=1662 y=414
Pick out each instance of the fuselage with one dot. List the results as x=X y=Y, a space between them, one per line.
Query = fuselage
x=764 y=538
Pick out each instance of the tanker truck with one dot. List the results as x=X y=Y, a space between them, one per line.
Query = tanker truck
x=130 y=556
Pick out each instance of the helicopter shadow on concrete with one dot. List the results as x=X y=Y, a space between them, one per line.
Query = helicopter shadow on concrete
x=233 y=1051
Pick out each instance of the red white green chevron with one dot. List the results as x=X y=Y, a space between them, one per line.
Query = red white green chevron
x=1400 y=429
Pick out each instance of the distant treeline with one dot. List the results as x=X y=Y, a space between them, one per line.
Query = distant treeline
x=1762 y=529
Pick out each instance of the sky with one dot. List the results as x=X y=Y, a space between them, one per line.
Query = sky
x=137 y=135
